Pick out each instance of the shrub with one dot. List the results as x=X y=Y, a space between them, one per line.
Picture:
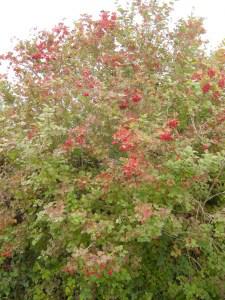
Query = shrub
x=112 y=161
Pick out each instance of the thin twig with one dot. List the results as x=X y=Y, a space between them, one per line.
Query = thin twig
x=213 y=185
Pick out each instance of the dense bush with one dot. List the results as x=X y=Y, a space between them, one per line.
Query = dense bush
x=112 y=161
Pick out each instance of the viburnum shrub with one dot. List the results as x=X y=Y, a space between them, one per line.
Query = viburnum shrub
x=112 y=161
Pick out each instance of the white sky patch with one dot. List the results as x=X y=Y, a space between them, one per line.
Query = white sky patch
x=213 y=13
x=19 y=17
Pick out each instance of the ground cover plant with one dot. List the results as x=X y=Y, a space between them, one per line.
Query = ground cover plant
x=112 y=161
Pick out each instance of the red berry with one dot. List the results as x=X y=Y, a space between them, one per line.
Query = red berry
x=123 y=105
x=85 y=94
x=221 y=83
x=132 y=167
x=91 y=85
x=136 y=97
x=173 y=123
x=36 y=56
x=211 y=72
x=166 y=136
x=68 y=144
x=113 y=17
x=206 y=87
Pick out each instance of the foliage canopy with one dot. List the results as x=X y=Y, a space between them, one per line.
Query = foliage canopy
x=112 y=161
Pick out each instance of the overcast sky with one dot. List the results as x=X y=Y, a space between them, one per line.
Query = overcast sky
x=18 y=17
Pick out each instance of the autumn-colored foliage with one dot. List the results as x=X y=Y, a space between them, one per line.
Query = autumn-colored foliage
x=112 y=161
